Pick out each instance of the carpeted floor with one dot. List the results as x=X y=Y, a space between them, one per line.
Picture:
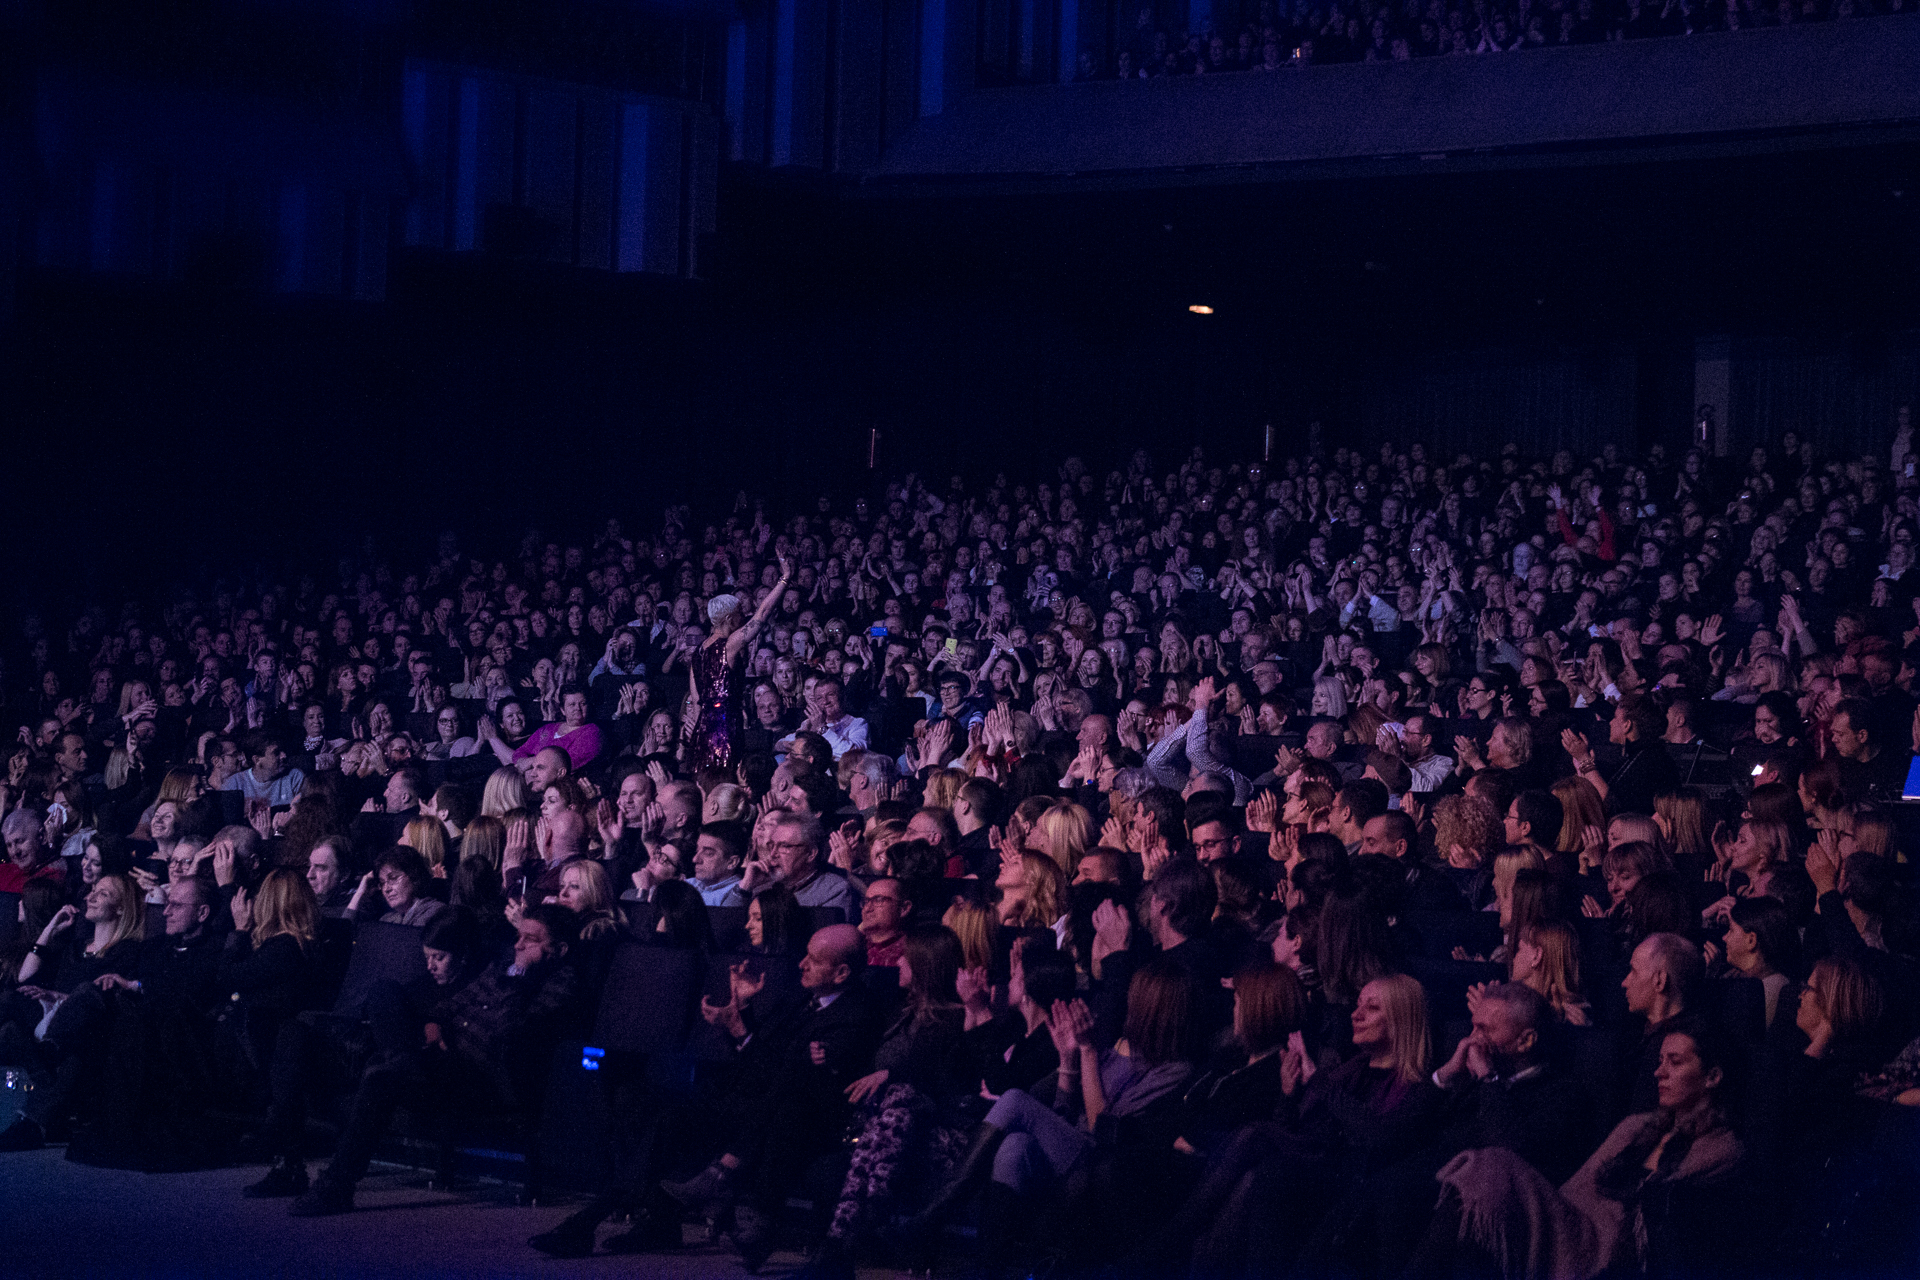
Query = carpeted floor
x=61 y=1221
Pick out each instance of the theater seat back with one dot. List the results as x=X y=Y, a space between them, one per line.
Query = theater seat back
x=649 y=1001
x=381 y=952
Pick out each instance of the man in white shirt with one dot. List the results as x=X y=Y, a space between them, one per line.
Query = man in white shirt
x=826 y=718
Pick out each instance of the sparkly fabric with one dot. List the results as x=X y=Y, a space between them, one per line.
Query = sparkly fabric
x=716 y=734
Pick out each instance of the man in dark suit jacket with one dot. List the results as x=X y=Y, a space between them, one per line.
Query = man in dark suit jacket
x=789 y=1101
x=780 y=1100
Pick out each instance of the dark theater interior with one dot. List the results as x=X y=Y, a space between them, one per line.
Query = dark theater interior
x=994 y=639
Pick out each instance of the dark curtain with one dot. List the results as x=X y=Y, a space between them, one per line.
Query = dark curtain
x=1844 y=390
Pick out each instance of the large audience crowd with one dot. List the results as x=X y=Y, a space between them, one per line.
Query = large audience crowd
x=1274 y=35
x=1371 y=864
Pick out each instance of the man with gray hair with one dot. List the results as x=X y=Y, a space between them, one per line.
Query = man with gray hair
x=794 y=859
x=870 y=779
x=29 y=857
x=1662 y=979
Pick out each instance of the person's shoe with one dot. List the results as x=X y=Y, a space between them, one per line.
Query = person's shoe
x=23 y=1135
x=648 y=1234
x=831 y=1260
x=573 y=1237
x=751 y=1237
x=287 y=1178
x=564 y=1241
x=325 y=1199
x=920 y=1232
x=701 y=1190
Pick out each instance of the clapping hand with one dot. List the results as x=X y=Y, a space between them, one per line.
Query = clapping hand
x=1823 y=862
x=974 y=987
x=1261 y=812
x=1112 y=929
x=519 y=842
x=1576 y=746
x=1296 y=1065
x=1593 y=847
x=1071 y=1026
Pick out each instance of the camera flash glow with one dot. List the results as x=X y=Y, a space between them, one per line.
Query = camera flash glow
x=1201 y=309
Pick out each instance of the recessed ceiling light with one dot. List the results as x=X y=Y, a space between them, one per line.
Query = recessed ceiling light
x=1201 y=309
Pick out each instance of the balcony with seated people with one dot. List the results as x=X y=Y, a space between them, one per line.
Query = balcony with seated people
x=1047 y=89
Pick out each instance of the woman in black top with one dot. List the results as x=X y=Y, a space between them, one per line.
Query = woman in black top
x=269 y=964
x=1269 y=1006
x=1015 y=1050
x=1275 y=1179
x=64 y=958
x=328 y=1055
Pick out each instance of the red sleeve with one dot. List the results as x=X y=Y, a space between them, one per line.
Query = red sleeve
x=1566 y=526
x=1606 y=536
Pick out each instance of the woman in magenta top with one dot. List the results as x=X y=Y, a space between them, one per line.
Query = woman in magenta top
x=571 y=733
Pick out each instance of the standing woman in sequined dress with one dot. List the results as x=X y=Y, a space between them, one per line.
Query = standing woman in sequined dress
x=718 y=675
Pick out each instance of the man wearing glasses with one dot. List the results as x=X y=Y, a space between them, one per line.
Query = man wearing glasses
x=794 y=860
x=883 y=918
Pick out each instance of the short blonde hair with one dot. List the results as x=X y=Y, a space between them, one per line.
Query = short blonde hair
x=1064 y=831
x=596 y=896
x=505 y=791
x=426 y=837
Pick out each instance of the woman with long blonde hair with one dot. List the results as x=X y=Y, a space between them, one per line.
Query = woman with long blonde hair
x=118 y=913
x=1033 y=889
x=1547 y=959
x=977 y=928
x=283 y=907
x=1404 y=1045
x=943 y=785
x=486 y=840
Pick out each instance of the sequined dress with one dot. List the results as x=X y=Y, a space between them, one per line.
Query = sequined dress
x=716 y=734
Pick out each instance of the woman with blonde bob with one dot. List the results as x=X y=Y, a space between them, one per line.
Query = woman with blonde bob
x=505 y=791
x=1064 y=832
x=586 y=891
x=1033 y=890
x=426 y=837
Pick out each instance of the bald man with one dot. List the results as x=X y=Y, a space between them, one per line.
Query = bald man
x=803 y=1055
x=782 y=1104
